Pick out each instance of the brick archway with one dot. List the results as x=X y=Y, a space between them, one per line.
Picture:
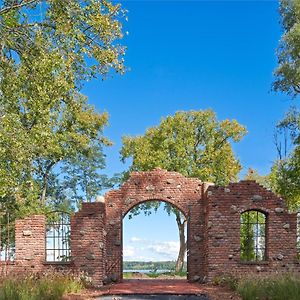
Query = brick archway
x=171 y=187
x=162 y=201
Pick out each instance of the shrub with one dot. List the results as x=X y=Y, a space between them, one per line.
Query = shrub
x=227 y=280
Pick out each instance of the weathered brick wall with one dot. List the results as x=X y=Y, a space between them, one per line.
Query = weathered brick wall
x=225 y=205
x=88 y=241
x=171 y=187
x=30 y=243
x=213 y=215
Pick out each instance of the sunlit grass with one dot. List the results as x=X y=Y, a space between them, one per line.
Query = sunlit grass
x=279 y=287
x=268 y=287
x=50 y=286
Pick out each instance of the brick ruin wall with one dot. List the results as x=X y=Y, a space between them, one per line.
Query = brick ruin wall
x=213 y=215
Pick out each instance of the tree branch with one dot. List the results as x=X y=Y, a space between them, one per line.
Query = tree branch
x=45 y=177
x=16 y=6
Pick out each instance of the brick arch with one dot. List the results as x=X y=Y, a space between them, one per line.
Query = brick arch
x=253 y=208
x=128 y=208
x=161 y=185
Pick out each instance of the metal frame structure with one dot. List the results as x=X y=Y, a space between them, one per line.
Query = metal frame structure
x=57 y=237
x=7 y=238
x=255 y=224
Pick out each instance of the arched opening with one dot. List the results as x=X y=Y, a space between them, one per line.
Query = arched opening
x=253 y=236
x=155 y=241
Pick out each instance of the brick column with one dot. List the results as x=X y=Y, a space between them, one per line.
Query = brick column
x=30 y=242
x=88 y=241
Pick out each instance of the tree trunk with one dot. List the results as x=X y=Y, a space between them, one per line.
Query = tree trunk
x=45 y=182
x=182 y=248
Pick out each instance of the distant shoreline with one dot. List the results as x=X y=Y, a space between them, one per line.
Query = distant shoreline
x=150 y=266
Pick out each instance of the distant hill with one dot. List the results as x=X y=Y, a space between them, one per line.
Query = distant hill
x=150 y=265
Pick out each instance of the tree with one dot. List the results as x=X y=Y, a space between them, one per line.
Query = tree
x=287 y=74
x=82 y=177
x=263 y=180
x=47 y=50
x=285 y=174
x=192 y=143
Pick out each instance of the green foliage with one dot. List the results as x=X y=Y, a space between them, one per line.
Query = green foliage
x=34 y=287
x=287 y=74
x=285 y=174
x=264 y=180
x=145 y=265
x=133 y=275
x=226 y=280
x=277 y=287
x=70 y=30
x=193 y=143
x=82 y=178
x=47 y=48
x=252 y=236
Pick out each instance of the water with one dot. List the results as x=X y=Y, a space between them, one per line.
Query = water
x=146 y=271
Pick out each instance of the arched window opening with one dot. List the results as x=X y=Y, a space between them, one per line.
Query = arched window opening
x=58 y=230
x=253 y=236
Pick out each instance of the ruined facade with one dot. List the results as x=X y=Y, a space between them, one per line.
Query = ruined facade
x=213 y=236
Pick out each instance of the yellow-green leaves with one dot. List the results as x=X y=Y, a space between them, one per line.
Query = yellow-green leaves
x=47 y=48
x=287 y=74
x=193 y=143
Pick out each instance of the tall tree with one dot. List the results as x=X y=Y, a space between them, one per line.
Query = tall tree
x=83 y=179
x=47 y=50
x=192 y=143
x=287 y=74
x=285 y=173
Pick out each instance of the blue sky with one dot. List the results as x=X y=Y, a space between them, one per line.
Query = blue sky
x=192 y=55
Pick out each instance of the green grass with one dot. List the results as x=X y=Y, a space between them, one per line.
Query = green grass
x=279 y=287
x=272 y=287
x=50 y=286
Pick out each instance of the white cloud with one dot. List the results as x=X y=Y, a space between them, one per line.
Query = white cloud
x=151 y=250
x=135 y=239
x=168 y=249
x=128 y=253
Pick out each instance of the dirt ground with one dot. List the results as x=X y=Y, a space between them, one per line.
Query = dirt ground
x=168 y=287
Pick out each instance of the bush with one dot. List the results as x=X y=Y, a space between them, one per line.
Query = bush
x=226 y=280
x=279 y=287
x=50 y=286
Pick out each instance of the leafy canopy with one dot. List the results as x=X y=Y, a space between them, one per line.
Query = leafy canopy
x=47 y=50
x=285 y=173
x=193 y=143
x=287 y=74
